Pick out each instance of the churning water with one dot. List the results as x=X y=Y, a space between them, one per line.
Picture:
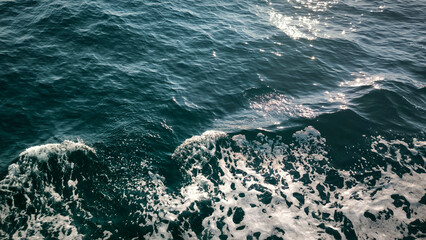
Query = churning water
x=261 y=119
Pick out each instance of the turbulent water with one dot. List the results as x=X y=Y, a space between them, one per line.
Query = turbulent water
x=261 y=119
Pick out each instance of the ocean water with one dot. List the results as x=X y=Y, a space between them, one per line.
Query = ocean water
x=261 y=119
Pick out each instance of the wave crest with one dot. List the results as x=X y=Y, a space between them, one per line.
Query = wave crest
x=42 y=191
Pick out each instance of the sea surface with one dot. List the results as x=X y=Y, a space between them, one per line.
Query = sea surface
x=221 y=119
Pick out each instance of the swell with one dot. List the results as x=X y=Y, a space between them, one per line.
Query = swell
x=391 y=110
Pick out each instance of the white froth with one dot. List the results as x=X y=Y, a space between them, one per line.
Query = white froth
x=309 y=133
x=57 y=223
x=243 y=183
x=392 y=149
x=43 y=152
x=258 y=186
x=33 y=163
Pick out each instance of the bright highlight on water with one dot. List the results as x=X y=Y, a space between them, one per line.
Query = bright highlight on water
x=266 y=119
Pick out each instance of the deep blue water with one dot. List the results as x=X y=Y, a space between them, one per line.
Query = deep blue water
x=260 y=119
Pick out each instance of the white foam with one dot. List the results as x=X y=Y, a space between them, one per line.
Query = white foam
x=309 y=133
x=43 y=152
x=262 y=218
x=391 y=149
x=36 y=224
x=244 y=180
x=33 y=163
x=262 y=177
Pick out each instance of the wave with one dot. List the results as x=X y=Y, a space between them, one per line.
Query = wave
x=239 y=185
x=264 y=187
x=42 y=191
x=391 y=110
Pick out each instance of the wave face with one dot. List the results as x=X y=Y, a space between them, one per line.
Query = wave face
x=265 y=119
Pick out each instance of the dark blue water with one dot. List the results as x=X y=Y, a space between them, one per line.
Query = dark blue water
x=243 y=119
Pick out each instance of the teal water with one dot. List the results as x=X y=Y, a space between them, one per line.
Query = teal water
x=259 y=119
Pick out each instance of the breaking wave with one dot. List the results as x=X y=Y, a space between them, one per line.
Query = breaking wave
x=44 y=190
x=232 y=186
